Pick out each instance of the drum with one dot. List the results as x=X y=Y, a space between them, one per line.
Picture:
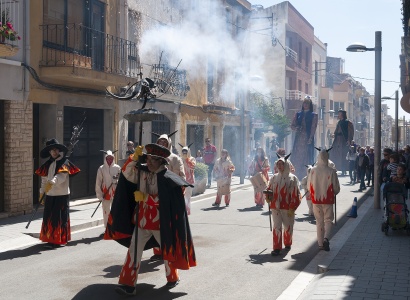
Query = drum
x=259 y=182
x=224 y=186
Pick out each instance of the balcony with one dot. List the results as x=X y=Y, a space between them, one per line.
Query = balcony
x=170 y=83
x=10 y=14
x=78 y=53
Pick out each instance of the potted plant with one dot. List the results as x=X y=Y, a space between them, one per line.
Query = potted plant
x=7 y=33
x=201 y=174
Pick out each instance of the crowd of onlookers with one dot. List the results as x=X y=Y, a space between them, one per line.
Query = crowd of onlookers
x=394 y=165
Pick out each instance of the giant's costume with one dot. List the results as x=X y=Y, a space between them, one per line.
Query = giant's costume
x=323 y=186
x=344 y=134
x=304 y=123
x=259 y=164
x=161 y=218
x=55 y=229
x=283 y=203
x=106 y=183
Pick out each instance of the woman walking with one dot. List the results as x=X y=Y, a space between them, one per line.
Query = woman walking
x=260 y=163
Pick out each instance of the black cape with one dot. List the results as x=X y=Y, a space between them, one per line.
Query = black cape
x=176 y=238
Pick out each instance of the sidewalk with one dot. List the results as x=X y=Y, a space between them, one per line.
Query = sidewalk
x=13 y=232
x=363 y=263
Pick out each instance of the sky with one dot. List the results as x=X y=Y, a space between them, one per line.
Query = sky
x=342 y=23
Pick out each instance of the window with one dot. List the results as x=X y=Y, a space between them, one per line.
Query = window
x=299 y=85
x=300 y=52
x=337 y=106
x=307 y=60
x=306 y=88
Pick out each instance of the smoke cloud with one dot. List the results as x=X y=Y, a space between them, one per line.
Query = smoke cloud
x=205 y=32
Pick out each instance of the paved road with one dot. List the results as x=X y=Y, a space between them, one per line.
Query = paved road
x=232 y=245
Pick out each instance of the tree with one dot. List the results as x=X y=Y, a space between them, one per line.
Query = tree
x=269 y=110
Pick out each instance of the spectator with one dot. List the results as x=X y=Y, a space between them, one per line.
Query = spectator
x=392 y=166
x=209 y=152
x=199 y=158
x=370 y=169
x=130 y=148
x=362 y=163
x=351 y=158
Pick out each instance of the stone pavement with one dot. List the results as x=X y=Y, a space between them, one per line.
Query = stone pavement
x=363 y=263
x=13 y=232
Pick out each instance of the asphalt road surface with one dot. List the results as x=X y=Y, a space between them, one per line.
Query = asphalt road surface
x=233 y=246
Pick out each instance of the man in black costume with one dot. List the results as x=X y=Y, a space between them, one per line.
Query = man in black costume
x=160 y=216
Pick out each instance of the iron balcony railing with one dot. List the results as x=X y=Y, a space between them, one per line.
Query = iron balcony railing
x=81 y=46
x=169 y=80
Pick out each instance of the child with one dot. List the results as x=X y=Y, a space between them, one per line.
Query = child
x=223 y=170
x=401 y=175
x=303 y=183
x=392 y=166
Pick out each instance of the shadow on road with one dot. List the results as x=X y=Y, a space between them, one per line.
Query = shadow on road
x=252 y=208
x=33 y=250
x=214 y=208
x=260 y=259
x=107 y=291
x=146 y=267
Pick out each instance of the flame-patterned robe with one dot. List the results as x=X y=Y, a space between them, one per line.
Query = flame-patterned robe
x=55 y=228
x=285 y=200
x=176 y=239
x=322 y=182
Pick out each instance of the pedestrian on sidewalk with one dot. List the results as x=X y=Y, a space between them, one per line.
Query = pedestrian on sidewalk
x=160 y=217
x=323 y=185
x=362 y=164
x=209 y=153
x=189 y=168
x=223 y=170
x=106 y=183
x=351 y=158
x=55 y=179
x=370 y=169
x=284 y=201
x=260 y=163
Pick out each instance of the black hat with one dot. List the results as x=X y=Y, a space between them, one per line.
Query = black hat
x=50 y=144
x=158 y=151
x=341 y=110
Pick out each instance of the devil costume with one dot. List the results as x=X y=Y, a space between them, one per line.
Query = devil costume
x=55 y=229
x=160 y=217
x=323 y=185
x=283 y=203
x=106 y=183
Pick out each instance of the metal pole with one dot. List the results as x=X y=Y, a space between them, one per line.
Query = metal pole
x=322 y=115
x=397 y=121
x=377 y=110
x=243 y=139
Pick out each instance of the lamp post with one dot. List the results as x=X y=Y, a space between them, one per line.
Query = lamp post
x=377 y=107
x=396 y=98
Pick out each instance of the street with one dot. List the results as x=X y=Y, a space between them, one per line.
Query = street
x=232 y=244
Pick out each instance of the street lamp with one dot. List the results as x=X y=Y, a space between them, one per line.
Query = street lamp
x=377 y=107
x=396 y=116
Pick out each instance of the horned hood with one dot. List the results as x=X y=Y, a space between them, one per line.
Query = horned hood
x=323 y=158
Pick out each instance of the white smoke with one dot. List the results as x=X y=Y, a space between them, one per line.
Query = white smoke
x=205 y=33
